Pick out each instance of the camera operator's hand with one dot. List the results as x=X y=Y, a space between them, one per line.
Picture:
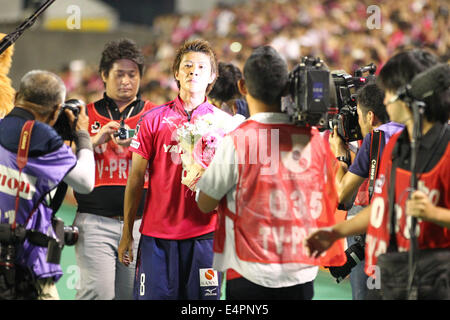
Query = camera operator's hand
x=122 y=142
x=320 y=241
x=106 y=133
x=83 y=119
x=337 y=145
x=422 y=207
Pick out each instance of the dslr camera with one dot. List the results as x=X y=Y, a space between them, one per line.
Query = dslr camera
x=11 y=238
x=318 y=97
x=62 y=125
x=17 y=281
x=354 y=255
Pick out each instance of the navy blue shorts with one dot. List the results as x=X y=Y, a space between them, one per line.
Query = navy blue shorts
x=175 y=270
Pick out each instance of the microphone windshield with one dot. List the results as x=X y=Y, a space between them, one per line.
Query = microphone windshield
x=430 y=81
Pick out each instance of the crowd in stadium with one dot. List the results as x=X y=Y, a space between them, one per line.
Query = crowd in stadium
x=336 y=31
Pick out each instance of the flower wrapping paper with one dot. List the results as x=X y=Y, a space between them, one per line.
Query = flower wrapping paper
x=198 y=141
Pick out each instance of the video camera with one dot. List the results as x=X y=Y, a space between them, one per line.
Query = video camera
x=323 y=99
x=308 y=102
x=124 y=133
x=346 y=87
x=62 y=125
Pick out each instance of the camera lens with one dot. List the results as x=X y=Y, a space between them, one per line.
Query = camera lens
x=354 y=254
x=62 y=125
x=70 y=235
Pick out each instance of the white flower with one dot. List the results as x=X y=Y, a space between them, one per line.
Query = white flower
x=205 y=132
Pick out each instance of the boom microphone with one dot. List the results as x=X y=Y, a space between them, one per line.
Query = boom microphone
x=427 y=82
x=12 y=37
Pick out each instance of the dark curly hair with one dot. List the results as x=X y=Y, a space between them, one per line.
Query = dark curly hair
x=121 y=49
x=226 y=87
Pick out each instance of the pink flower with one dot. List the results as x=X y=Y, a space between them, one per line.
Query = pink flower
x=205 y=147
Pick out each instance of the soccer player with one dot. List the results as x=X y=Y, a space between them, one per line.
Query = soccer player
x=175 y=254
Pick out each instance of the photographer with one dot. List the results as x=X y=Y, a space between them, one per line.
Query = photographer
x=100 y=213
x=49 y=162
x=264 y=202
x=430 y=202
x=373 y=121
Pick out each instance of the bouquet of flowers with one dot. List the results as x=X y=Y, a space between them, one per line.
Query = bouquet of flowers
x=198 y=141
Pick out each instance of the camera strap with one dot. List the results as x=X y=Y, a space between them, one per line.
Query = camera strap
x=391 y=196
x=375 y=154
x=22 y=159
x=57 y=200
x=129 y=113
x=124 y=117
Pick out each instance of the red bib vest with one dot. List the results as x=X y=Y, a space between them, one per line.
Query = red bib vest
x=112 y=161
x=435 y=183
x=285 y=191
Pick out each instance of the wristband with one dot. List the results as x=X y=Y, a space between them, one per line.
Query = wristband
x=83 y=140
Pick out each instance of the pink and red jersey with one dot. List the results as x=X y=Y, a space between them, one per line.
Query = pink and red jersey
x=170 y=208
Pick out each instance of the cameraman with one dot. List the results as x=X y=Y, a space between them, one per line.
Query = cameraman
x=100 y=213
x=372 y=116
x=431 y=202
x=256 y=197
x=50 y=161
